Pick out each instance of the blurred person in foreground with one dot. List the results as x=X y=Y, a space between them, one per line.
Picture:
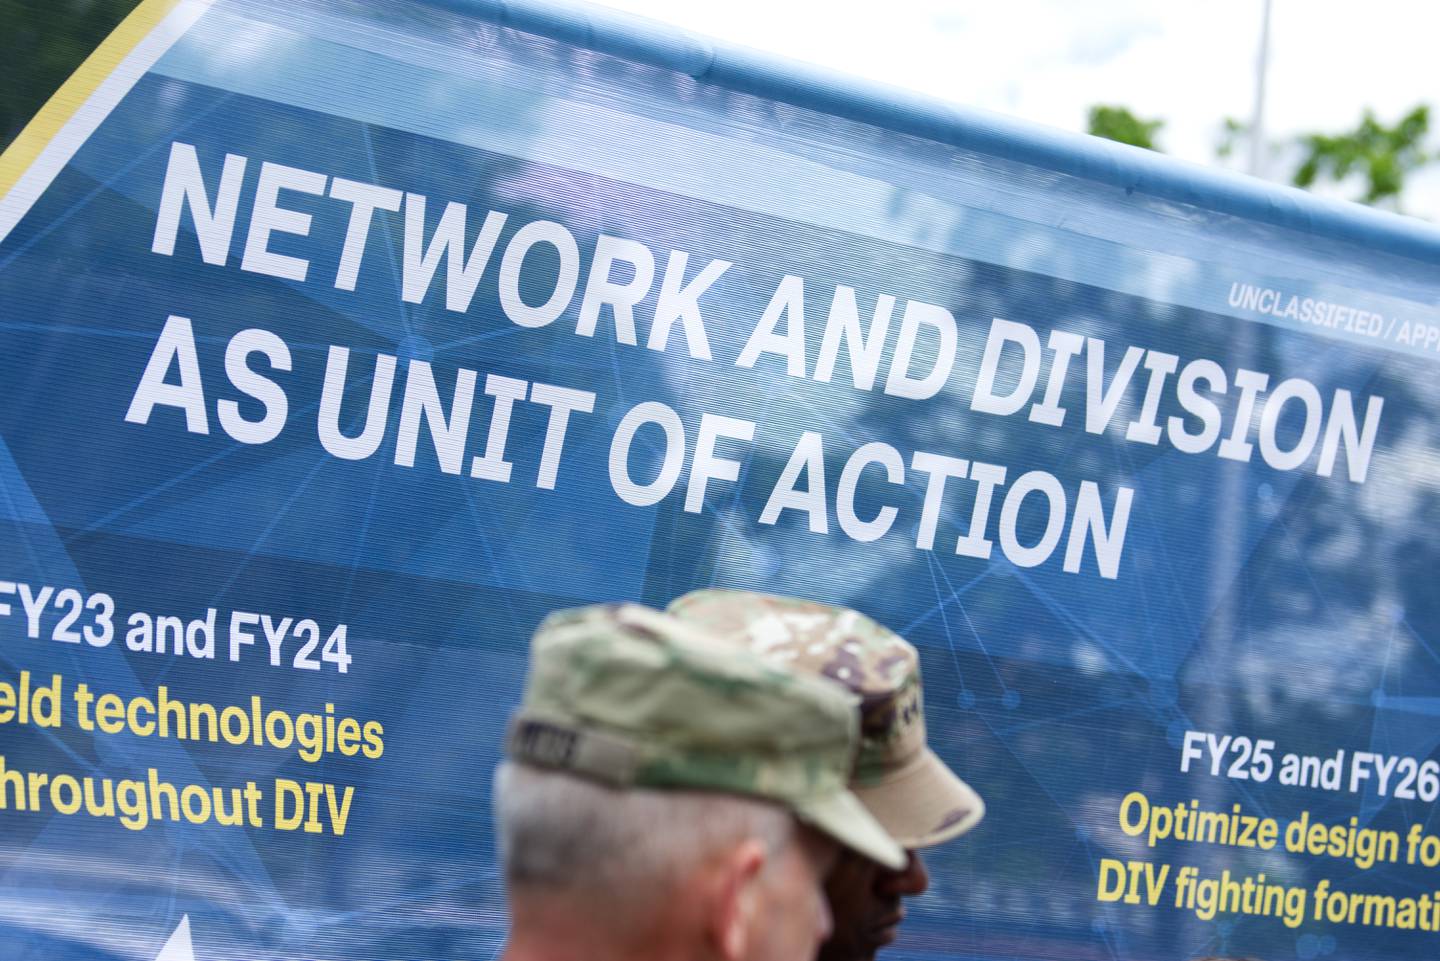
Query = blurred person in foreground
x=911 y=792
x=668 y=797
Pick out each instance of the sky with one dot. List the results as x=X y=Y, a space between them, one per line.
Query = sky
x=1188 y=62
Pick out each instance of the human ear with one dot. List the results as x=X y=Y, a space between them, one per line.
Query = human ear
x=736 y=906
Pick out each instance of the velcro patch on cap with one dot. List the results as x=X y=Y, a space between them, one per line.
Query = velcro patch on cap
x=886 y=719
x=545 y=743
x=548 y=745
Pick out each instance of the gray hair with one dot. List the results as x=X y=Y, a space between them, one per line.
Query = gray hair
x=560 y=832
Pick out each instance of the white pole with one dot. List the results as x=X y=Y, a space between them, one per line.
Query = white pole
x=1257 y=118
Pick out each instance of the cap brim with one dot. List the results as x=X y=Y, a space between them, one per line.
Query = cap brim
x=844 y=818
x=922 y=803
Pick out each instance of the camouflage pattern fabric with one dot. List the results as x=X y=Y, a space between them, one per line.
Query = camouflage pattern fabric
x=919 y=800
x=638 y=699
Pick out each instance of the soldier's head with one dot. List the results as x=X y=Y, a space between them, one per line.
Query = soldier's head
x=911 y=792
x=667 y=795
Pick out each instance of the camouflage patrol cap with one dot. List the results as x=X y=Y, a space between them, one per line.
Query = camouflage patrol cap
x=897 y=776
x=631 y=697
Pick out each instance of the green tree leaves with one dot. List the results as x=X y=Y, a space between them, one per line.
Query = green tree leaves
x=1379 y=157
x=1382 y=156
x=1118 y=123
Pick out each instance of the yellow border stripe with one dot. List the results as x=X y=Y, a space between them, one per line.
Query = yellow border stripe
x=75 y=91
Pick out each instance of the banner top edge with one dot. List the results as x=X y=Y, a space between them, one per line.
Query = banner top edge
x=643 y=40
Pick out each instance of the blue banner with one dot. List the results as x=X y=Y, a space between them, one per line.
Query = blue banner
x=340 y=343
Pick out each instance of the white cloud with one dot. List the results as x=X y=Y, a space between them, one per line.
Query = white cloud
x=1192 y=64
